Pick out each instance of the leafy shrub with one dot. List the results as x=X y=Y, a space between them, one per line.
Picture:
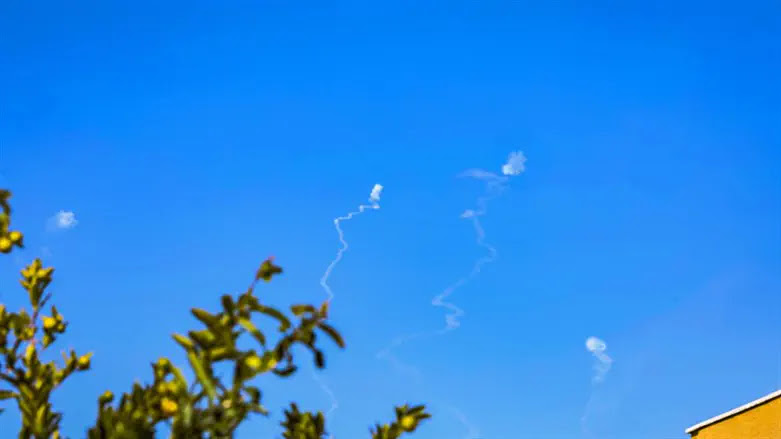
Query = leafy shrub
x=209 y=407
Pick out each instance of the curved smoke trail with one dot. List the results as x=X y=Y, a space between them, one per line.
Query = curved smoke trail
x=374 y=203
x=452 y=319
x=603 y=362
x=495 y=186
x=334 y=402
x=602 y=365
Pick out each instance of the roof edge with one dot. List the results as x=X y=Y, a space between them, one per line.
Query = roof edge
x=733 y=412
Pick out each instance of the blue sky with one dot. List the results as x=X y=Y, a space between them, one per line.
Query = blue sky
x=192 y=140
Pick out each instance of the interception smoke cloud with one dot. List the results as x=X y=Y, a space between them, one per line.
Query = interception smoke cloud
x=63 y=220
x=603 y=362
x=516 y=164
x=374 y=200
x=374 y=196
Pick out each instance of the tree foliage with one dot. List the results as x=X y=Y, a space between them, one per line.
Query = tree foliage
x=207 y=407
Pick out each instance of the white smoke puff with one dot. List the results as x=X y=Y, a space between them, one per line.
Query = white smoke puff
x=594 y=344
x=515 y=164
x=374 y=197
x=597 y=347
x=63 y=220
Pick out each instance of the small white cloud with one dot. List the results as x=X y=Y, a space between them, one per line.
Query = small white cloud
x=64 y=220
x=515 y=164
x=374 y=197
x=597 y=347
x=594 y=344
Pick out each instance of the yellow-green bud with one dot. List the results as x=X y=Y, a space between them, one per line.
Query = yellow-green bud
x=253 y=361
x=168 y=407
x=49 y=323
x=84 y=362
x=15 y=237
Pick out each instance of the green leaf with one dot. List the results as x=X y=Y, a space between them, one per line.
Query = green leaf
x=267 y=270
x=268 y=361
x=105 y=398
x=252 y=329
x=184 y=342
x=301 y=309
x=227 y=304
x=259 y=409
x=39 y=417
x=202 y=315
x=222 y=353
x=416 y=410
x=204 y=338
x=335 y=336
x=6 y=394
x=286 y=372
x=284 y=323
x=202 y=375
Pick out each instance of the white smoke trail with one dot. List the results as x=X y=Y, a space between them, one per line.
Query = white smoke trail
x=495 y=186
x=602 y=365
x=374 y=203
x=398 y=365
x=597 y=348
x=452 y=319
x=472 y=432
x=334 y=402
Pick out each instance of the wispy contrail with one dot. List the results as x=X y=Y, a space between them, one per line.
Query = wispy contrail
x=495 y=184
x=334 y=402
x=452 y=319
x=374 y=203
x=387 y=354
x=472 y=432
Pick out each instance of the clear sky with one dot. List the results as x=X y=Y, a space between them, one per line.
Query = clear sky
x=191 y=140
